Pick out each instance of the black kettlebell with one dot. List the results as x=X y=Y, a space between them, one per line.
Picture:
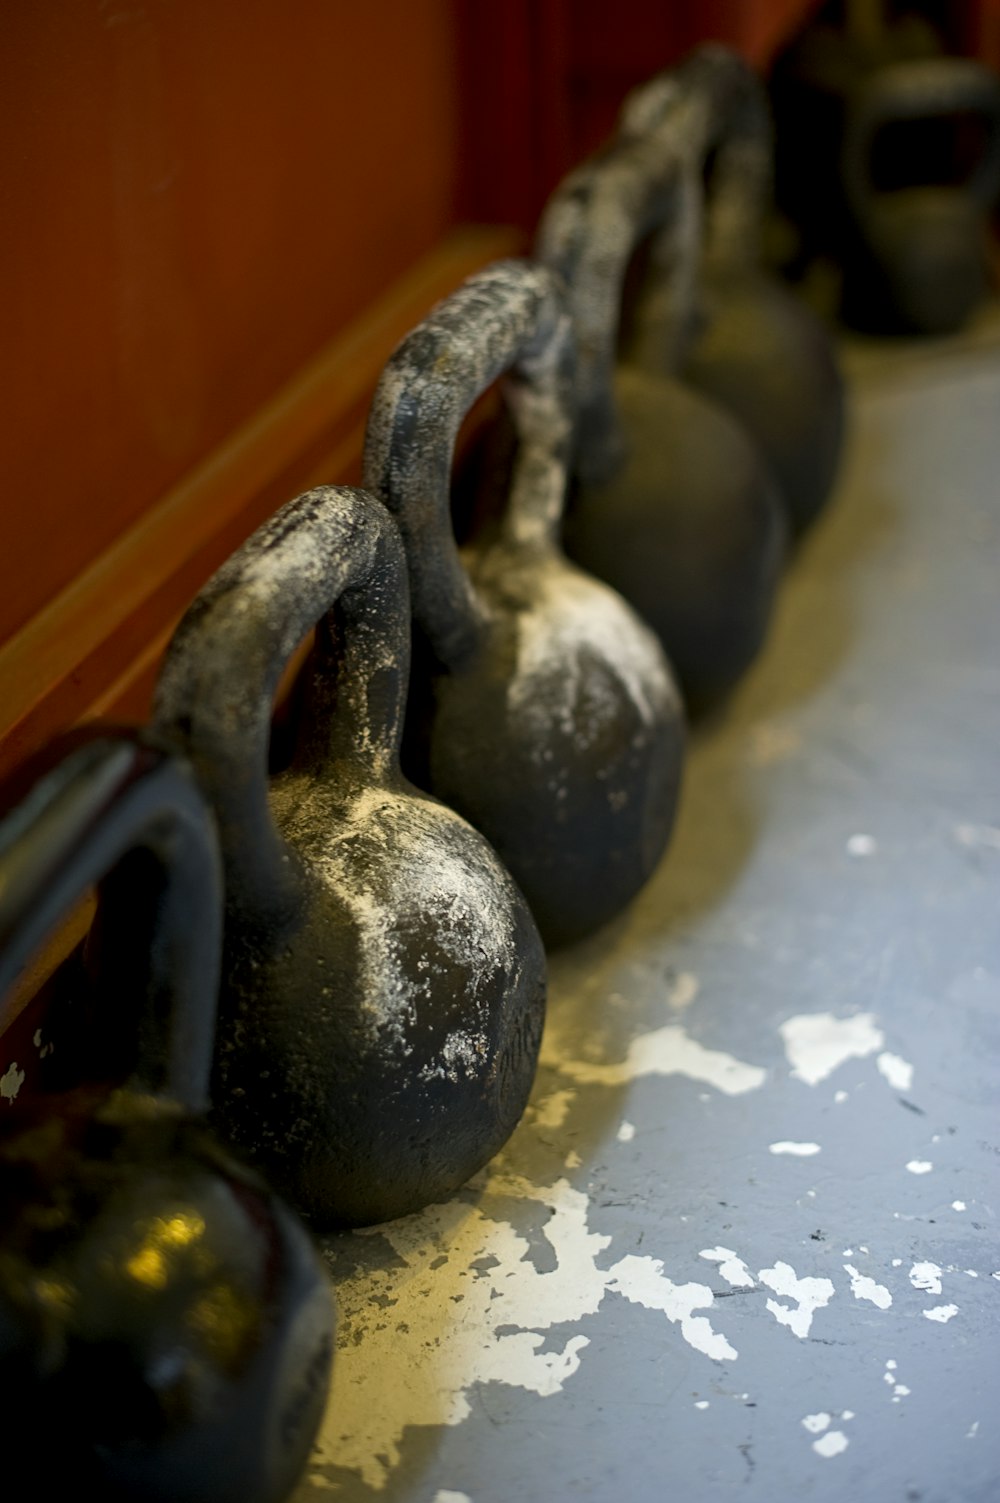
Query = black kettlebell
x=383 y=985
x=165 y=1324
x=555 y=728
x=752 y=346
x=916 y=259
x=672 y=503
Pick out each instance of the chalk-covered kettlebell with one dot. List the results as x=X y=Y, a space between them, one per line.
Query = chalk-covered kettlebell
x=383 y=986
x=752 y=345
x=555 y=728
x=165 y=1324
x=672 y=504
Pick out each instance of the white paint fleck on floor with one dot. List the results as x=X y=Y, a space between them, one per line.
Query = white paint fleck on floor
x=732 y=1268
x=863 y=1287
x=669 y=1051
x=626 y=1132
x=816 y=1423
x=831 y=1444
x=809 y=1295
x=920 y=1166
x=941 y=1313
x=796 y=1150
x=897 y=1071
x=926 y=1276
x=861 y=845
x=817 y=1043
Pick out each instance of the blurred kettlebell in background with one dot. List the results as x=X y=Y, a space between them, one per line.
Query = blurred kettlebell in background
x=672 y=503
x=751 y=344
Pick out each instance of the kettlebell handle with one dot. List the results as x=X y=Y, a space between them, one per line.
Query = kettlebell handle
x=588 y=231
x=96 y=797
x=509 y=318
x=925 y=88
x=726 y=112
x=331 y=558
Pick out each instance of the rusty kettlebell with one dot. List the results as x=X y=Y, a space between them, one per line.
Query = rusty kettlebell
x=165 y=1324
x=915 y=254
x=555 y=726
x=752 y=346
x=672 y=503
x=383 y=986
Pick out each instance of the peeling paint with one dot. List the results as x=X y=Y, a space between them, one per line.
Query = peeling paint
x=818 y=1043
x=731 y=1268
x=831 y=1444
x=897 y=1071
x=670 y=1051
x=926 y=1276
x=809 y=1294
x=941 y=1313
x=863 y=1287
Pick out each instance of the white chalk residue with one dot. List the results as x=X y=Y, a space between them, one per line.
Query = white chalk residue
x=670 y=1051
x=920 y=1166
x=642 y=1280
x=942 y=1313
x=448 y=1495
x=926 y=1276
x=816 y=1423
x=809 y=1295
x=626 y=1132
x=840 y=1097
x=817 y=1043
x=477 y=1310
x=972 y=1431
x=862 y=1287
x=861 y=845
x=731 y=1268
x=831 y=1444
x=683 y=992
x=552 y=1110
x=796 y=1150
x=11 y=1081
x=898 y=1072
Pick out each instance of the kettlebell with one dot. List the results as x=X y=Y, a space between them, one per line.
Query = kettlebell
x=751 y=346
x=672 y=504
x=383 y=984
x=165 y=1324
x=555 y=726
x=916 y=256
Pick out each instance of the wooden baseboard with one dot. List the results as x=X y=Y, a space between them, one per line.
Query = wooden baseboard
x=94 y=650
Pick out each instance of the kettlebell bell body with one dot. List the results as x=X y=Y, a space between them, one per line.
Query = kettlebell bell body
x=554 y=724
x=165 y=1324
x=383 y=981
x=751 y=345
x=915 y=258
x=671 y=502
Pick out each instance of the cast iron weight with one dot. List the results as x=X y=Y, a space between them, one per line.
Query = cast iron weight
x=751 y=345
x=672 y=503
x=555 y=726
x=165 y=1324
x=383 y=985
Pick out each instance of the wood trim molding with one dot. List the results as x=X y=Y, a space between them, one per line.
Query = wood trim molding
x=94 y=649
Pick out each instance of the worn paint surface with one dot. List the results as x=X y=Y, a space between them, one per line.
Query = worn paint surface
x=642 y=1297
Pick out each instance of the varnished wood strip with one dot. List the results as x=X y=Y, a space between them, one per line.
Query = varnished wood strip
x=99 y=631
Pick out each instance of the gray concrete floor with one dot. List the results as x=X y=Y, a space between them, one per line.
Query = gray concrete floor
x=745 y=1241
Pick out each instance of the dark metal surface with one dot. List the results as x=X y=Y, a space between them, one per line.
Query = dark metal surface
x=817 y=963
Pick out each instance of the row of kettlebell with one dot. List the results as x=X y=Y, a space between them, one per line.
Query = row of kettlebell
x=383 y=979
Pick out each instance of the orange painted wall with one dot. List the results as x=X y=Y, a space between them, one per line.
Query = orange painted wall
x=195 y=194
